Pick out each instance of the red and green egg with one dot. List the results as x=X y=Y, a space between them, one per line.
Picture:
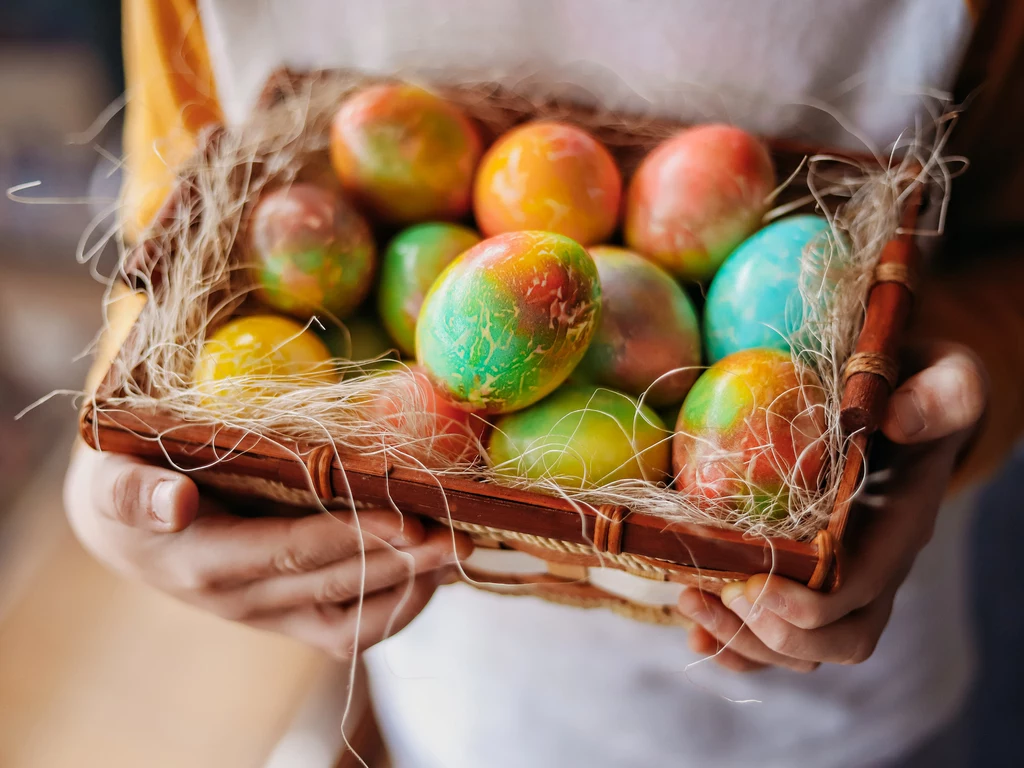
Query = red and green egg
x=310 y=251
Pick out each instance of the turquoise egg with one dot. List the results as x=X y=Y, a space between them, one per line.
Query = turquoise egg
x=754 y=300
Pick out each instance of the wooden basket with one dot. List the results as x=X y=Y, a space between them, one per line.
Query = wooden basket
x=630 y=562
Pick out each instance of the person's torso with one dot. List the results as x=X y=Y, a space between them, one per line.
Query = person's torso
x=794 y=68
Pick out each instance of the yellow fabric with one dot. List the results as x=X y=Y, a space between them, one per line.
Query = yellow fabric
x=171 y=96
x=122 y=311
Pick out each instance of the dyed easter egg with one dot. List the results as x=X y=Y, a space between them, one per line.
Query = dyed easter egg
x=648 y=330
x=362 y=340
x=310 y=251
x=419 y=423
x=582 y=437
x=696 y=196
x=548 y=176
x=405 y=154
x=754 y=300
x=411 y=263
x=509 y=319
x=259 y=347
x=750 y=429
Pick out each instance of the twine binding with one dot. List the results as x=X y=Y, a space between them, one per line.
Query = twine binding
x=894 y=272
x=872 y=362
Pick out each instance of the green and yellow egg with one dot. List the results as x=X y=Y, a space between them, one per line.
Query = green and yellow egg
x=582 y=437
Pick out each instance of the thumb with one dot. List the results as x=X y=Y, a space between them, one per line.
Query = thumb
x=133 y=493
x=946 y=397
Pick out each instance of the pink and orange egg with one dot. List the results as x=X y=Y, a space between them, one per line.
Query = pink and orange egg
x=420 y=422
x=697 y=196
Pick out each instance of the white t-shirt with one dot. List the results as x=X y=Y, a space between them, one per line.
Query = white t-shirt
x=480 y=681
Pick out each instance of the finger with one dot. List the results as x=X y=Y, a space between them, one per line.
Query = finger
x=891 y=538
x=701 y=642
x=128 y=491
x=343 y=630
x=723 y=625
x=344 y=581
x=850 y=640
x=946 y=397
x=224 y=551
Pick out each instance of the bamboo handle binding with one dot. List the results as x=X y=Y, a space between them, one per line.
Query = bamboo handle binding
x=872 y=372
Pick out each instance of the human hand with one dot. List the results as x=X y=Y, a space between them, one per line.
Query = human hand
x=773 y=621
x=300 y=577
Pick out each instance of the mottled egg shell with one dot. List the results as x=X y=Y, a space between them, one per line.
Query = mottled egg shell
x=310 y=251
x=420 y=423
x=405 y=153
x=750 y=429
x=411 y=263
x=696 y=197
x=548 y=176
x=259 y=347
x=582 y=437
x=754 y=300
x=509 y=319
x=648 y=341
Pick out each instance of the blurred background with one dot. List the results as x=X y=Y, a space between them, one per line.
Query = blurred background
x=95 y=671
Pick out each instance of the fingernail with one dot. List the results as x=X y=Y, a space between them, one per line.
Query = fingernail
x=162 y=501
x=909 y=414
x=734 y=598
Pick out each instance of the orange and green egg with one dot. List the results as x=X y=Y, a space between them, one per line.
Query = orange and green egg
x=648 y=342
x=405 y=154
x=751 y=428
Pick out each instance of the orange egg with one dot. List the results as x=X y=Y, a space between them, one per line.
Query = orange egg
x=259 y=347
x=552 y=177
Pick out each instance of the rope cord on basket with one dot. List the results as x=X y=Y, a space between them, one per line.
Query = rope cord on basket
x=872 y=362
x=894 y=272
x=650 y=614
x=629 y=562
x=247 y=484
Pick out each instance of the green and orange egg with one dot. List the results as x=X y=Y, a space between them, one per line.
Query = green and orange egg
x=405 y=154
x=751 y=429
x=509 y=319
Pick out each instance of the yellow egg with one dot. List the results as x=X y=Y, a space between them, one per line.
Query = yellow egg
x=260 y=347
